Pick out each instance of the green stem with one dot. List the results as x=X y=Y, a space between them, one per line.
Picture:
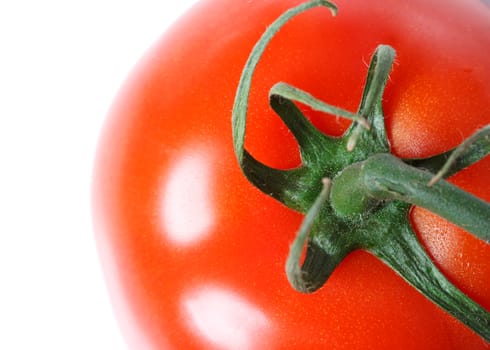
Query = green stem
x=387 y=177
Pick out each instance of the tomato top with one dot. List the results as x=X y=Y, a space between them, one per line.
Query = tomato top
x=194 y=254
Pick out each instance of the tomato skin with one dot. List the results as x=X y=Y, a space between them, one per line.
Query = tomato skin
x=194 y=254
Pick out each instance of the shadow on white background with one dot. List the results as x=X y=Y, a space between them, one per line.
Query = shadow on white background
x=61 y=63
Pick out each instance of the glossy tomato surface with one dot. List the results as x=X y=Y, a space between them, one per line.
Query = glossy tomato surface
x=194 y=254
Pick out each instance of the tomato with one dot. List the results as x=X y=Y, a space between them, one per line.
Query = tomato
x=194 y=254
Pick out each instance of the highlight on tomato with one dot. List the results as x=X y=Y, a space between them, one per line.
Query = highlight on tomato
x=287 y=174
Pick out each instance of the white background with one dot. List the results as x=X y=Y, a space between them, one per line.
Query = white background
x=61 y=63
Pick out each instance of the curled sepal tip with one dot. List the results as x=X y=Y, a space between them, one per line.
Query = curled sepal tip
x=473 y=148
x=259 y=174
x=240 y=106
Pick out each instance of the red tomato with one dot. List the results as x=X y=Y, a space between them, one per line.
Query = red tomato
x=194 y=254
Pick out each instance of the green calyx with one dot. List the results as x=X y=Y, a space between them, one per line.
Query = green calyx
x=355 y=194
